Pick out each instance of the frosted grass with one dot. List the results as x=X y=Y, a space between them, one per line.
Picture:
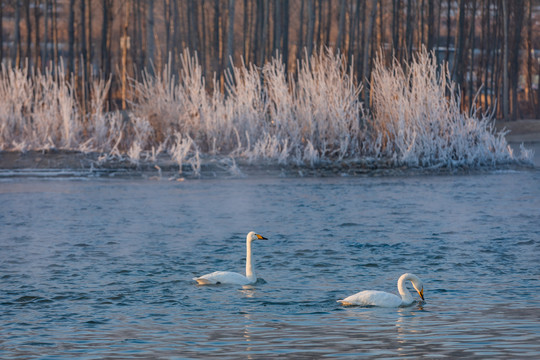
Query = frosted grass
x=264 y=116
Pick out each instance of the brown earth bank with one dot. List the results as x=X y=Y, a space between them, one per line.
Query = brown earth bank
x=72 y=163
x=527 y=130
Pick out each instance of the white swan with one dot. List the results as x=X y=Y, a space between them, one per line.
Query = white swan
x=228 y=277
x=384 y=299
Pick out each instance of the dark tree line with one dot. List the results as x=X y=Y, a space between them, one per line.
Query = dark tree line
x=488 y=44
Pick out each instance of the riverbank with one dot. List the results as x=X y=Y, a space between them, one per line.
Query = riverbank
x=526 y=130
x=65 y=162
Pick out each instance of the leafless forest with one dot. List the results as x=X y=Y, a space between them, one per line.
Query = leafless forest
x=488 y=44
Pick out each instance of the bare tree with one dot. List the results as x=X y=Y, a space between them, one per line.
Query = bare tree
x=124 y=46
x=71 y=37
x=150 y=43
x=28 y=30
x=230 y=34
x=17 y=55
x=367 y=41
x=285 y=33
x=518 y=8
x=45 y=49
x=105 y=36
x=431 y=25
x=341 y=24
x=1 y=30
x=310 y=27
x=505 y=60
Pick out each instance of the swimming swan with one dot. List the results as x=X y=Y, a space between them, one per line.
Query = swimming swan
x=384 y=299
x=228 y=277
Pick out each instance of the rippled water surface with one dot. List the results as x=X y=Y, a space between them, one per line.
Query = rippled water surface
x=97 y=268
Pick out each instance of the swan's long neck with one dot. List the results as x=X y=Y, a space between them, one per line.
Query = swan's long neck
x=250 y=269
x=406 y=296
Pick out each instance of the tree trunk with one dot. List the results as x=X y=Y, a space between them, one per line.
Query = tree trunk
x=353 y=36
x=457 y=69
x=167 y=16
x=55 y=35
x=276 y=46
x=202 y=31
x=396 y=27
x=310 y=27
x=17 y=55
x=82 y=40
x=472 y=47
x=438 y=30
x=193 y=25
x=409 y=29
x=367 y=41
x=519 y=7
x=216 y=41
x=420 y=13
x=487 y=50
x=431 y=25
x=71 y=37
x=246 y=28
x=45 y=47
x=381 y=38
x=230 y=35
x=318 y=23
x=529 y=48
x=28 y=31
x=124 y=47
x=105 y=45
x=89 y=33
x=448 y=30
x=300 y=46
x=328 y=23
x=83 y=55
x=1 y=31
x=341 y=24
x=37 y=47
x=505 y=94
x=285 y=34
x=150 y=42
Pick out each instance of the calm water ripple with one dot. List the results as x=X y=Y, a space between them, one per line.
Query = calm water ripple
x=102 y=268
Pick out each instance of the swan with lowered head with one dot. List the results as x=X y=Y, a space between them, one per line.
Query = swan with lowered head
x=228 y=277
x=384 y=299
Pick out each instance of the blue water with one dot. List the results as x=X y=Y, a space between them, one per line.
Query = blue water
x=102 y=268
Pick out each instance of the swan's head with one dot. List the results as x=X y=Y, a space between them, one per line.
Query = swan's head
x=419 y=287
x=416 y=283
x=254 y=236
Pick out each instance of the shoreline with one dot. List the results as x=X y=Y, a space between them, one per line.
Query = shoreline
x=525 y=130
x=65 y=163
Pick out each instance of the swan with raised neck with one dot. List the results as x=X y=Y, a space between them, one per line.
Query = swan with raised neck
x=229 y=277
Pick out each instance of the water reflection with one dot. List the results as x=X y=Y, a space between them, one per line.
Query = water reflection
x=247 y=335
x=248 y=291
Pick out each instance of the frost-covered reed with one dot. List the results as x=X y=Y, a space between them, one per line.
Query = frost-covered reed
x=37 y=111
x=265 y=115
x=417 y=119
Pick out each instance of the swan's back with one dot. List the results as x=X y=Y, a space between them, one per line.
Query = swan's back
x=223 y=277
x=372 y=298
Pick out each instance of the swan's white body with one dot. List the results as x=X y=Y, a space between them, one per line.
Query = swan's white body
x=228 y=277
x=384 y=299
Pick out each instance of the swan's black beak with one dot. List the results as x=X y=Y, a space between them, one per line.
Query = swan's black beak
x=260 y=237
x=421 y=293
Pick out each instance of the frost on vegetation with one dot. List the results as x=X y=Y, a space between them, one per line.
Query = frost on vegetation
x=264 y=115
x=417 y=120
